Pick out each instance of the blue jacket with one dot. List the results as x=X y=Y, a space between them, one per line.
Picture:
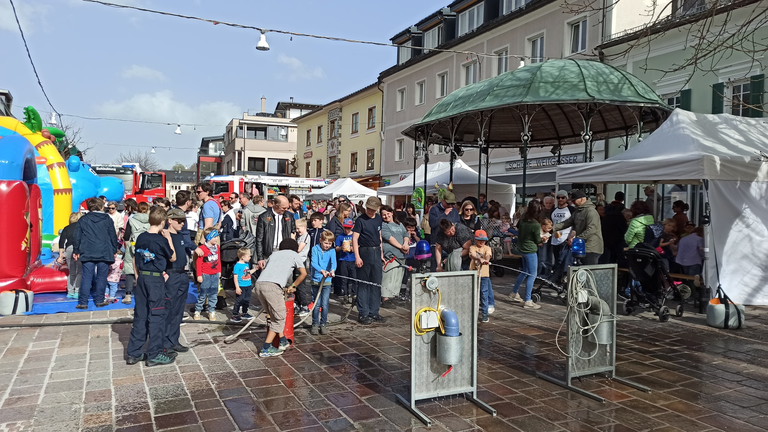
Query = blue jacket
x=95 y=239
x=322 y=260
x=437 y=212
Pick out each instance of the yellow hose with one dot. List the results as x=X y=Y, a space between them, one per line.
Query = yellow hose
x=417 y=328
x=57 y=169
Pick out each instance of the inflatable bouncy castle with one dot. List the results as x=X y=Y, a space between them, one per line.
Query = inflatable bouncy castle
x=36 y=198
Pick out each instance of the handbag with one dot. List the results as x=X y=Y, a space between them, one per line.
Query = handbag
x=723 y=313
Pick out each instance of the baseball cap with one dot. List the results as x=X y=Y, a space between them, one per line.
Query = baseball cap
x=373 y=203
x=562 y=193
x=576 y=194
x=348 y=223
x=449 y=197
x=481 y=235
x=176 y=214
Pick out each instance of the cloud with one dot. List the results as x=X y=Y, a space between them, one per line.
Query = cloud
x=162 y=107
x=298 y=71
x=31 y=16
x=143 y=72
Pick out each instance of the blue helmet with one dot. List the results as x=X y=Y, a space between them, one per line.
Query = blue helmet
x=423 y=250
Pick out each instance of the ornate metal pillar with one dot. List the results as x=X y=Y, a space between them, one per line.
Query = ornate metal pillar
x=525 y=136
x=586 y=134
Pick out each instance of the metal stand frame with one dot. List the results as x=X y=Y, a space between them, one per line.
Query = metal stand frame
x=604 y=360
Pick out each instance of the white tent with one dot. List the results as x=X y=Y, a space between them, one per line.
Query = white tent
x=345 y=186
x=464 y=183
x=729 y=156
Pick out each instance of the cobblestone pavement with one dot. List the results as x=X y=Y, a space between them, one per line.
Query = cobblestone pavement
x=70 y=378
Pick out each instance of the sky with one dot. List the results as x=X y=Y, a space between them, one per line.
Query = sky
x=99 y=61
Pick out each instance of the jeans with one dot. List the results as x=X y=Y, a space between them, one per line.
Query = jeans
x=209 y=288
x=369 y=296
x=243 y=301
x=347 y=269
x=130 y=283
x=75 y=273
x=529 y=266
x=562 y=254
x=317 y=317
x=486 y=295
x=112 y=291
x=692 y=270
x=545 y=259
x=94 y=282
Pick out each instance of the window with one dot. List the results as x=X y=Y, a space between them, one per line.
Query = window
x=319 y=134
x=401 y=99
x=277 y=166
x=673 y=101
x=502 y=61
x=353 y=162
x=442 y=84
x=371 y=118
x=471 y=19
x=333 y=165
x=370 y=160
x=432 y=38
x=512 y=5
x=537 y=49
x=319 y=170
x=470 y=73
x=740 y=99
x=355 y=123
x=334 y=128
x=309 y=137
x=421 y=92
x=256 y=164
x=578 y=36
x=400 y=149
x=689 y=7
x=403 y=53
x=239 y=132
x=308 y=170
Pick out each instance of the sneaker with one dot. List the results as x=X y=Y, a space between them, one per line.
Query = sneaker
x=211 y=316
x=102 y=304
x=323 y=329
x=315 y=330
x=387 y=304
x=270 y=352
x=246 y=317
x=379 y=319
x=284 y=346
x=81 y=306
x=133 y=360
x=491 y=310
x=196 y=316
x=160 y=359
x=170 y=353
x=72 y=296
x=484 y=318
x=235 y=319
x=515 y=297
x=531 y=305
x=180 y=348
x=365 y=321
x=303 y=311
x=127 y=299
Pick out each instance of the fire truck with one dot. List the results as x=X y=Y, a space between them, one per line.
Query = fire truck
x=140 y=185
x=265 y=185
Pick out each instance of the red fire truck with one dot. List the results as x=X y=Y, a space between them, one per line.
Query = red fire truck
x=140 y=185
x=266 y=185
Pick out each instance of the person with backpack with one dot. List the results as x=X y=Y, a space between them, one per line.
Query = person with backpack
x=137 y=224
x=640 y=227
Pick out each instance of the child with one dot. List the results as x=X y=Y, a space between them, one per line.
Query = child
x=243 y=285
x=481 y=254
x=305 y=290
x=270 y=291
x=346 y=261
x=95 y=245
x=544 y=260
x=113 y=278
x=154 y=249
x=323 y=265
x=208 y=271
x=546 y=230
x=177 y=282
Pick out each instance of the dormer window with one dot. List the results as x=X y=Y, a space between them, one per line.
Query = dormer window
x=471 y=19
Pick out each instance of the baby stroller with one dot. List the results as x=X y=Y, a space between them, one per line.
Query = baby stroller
x=228 y=256
x=655 y=284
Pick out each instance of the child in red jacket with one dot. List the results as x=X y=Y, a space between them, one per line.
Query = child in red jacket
x=208 y=272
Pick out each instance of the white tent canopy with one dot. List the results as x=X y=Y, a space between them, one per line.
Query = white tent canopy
x=729 y=155
x=464 y=183
x=345 y=186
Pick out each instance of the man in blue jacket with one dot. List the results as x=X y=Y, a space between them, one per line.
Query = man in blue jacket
x=95 y=245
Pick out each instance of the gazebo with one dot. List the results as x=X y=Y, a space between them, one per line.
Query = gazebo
x=554 y=103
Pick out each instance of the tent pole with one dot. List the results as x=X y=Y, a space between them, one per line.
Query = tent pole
x=426 y=162
x=480 y=168
x=452 y=161
x=487 y=170
x=655 y=208
x=663 y=191
x=415 y=159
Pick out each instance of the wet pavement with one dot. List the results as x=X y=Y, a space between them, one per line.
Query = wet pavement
x=71 y=378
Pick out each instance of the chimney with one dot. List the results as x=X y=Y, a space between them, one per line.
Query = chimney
x=263 y=104
x=291 y=99
x=449 y=24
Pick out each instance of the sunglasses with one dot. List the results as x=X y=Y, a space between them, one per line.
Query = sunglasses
x=468 y=209
x=561 y=198
x=197 y=192
x=113 y=208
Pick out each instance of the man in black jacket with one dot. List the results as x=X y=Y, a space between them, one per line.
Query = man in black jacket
x=275 y=225
x=95 y=246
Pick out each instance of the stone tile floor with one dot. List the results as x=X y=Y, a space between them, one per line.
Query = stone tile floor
x=72 y=378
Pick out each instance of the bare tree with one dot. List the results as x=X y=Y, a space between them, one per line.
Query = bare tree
x=179 y=167
x=72 y=144
x=145 y=159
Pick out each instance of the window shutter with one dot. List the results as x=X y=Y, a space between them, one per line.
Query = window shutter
x=718 y=90
x=756 y=89
x=685 y=99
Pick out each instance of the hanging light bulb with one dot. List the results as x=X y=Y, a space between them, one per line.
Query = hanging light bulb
x=53 y=119
x=153 y=150
x=178 y=130
x=262 y=45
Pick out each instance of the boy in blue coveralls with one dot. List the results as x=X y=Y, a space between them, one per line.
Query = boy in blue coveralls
x=154 y=249
x=346 y=261
x=177 y=284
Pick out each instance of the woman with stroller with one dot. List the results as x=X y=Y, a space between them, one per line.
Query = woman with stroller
x=641 y=221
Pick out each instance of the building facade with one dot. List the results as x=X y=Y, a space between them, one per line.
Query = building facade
x=209 y=156
x=6 y=103
x=505 y=34
x=343 y=138
x=179 y=180
x=263 y=142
